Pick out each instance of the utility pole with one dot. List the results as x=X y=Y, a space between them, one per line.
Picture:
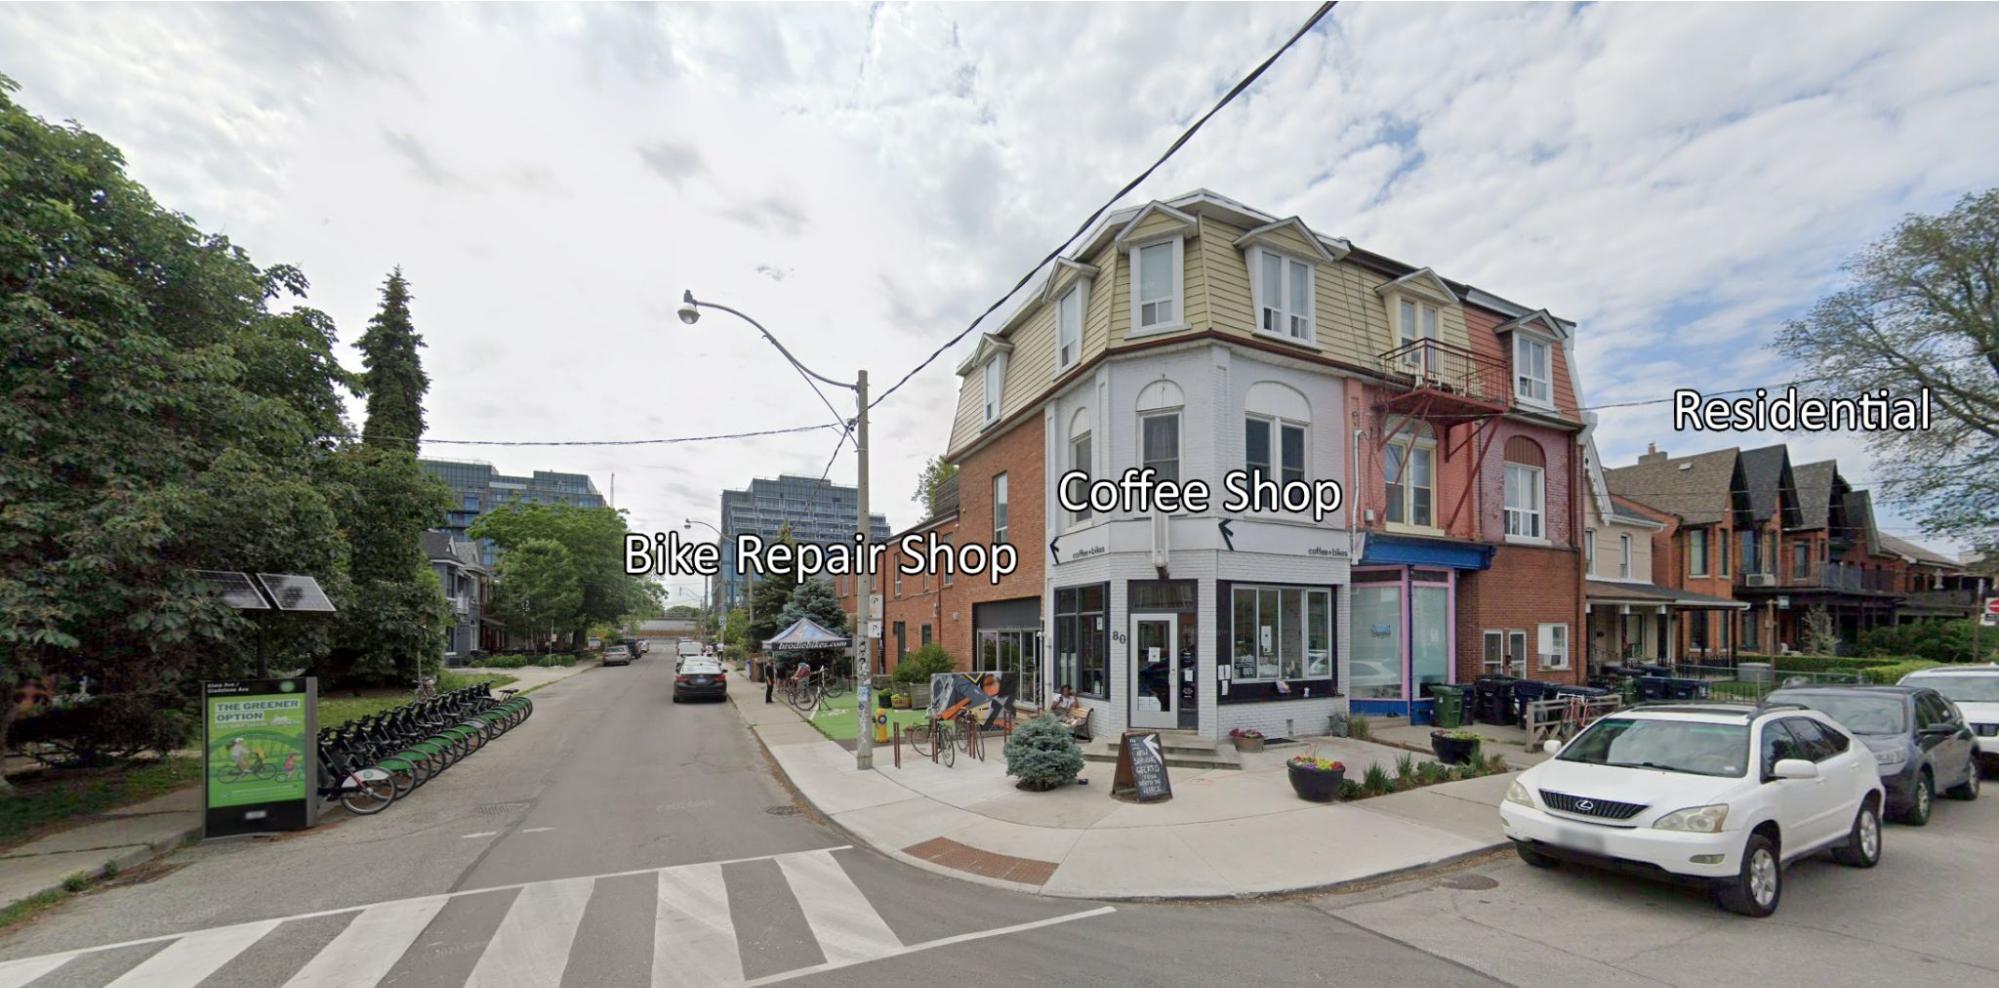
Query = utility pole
x=864 y=733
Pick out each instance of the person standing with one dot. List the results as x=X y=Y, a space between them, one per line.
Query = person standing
x=770 y=678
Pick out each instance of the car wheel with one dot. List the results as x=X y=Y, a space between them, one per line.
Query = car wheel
x=1968 y=790
x=1920 y=800
x=1756 y=891
x=1533 y=857
x=1863 y=843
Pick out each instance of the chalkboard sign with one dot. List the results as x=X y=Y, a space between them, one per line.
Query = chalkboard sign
x=1141 y=769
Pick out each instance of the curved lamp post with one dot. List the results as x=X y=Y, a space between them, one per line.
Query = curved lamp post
x=690 y=313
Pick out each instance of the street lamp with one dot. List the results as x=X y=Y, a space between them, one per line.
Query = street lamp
x=864 y=739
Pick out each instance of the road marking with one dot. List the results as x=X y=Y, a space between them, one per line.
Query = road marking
x=933 y=944
x=693 y=936
x=364 y=952
x=14 y=974
x=848 y=928
x=531 y=947
x=191 y=959
x=537 y=830
x=482 y=833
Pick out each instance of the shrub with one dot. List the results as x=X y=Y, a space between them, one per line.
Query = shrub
x=1894 y=673
x=1357 y=728
x=1429 y=773
x=1939 y=641
x=1405 y=770
x=513 y=661
x=917 y=666
x=111 y=727
x=1375 y=782
x=1043 y=755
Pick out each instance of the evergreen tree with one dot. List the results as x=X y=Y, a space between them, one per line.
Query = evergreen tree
x=1042 y=755
x=394 y=380
x=814 y=599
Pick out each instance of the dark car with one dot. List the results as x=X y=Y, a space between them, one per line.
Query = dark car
x=700 y=676
x=1921 y=743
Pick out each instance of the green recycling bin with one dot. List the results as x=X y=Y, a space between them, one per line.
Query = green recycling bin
x=1450 y=704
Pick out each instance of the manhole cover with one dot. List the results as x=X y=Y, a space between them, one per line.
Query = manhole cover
x=781 y=810
x=1470 y=883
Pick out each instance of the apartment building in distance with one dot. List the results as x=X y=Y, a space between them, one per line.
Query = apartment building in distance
x=1198 y=336
x=814 y=511
x=477 y=488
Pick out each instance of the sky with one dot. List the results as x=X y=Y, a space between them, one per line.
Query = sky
x=864 y=180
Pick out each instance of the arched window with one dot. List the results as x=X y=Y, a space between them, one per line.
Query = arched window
x=1526 y=489
x=1275 y=421
x=1080 y=456
x=1409 y=471
x=1159 y=405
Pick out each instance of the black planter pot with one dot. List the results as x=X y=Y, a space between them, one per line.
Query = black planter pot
x=1315 y=785
x=1453 y=751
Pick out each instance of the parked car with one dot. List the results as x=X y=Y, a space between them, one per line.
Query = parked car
x=1716 y=795
x=632 y=647
x=1975 y=691
x=596 y=643
x=645 y=646
x=700 y=676
x=617 y=655
x=687 y=649
x=1921 y=743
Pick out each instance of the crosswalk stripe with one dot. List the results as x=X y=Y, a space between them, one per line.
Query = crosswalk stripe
x=694 y=938
x=845 y=923
x=531 y=947
x=14 y=974
x=370 y=945
x=190 y=959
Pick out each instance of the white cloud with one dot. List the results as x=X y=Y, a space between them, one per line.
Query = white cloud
x=1676 y=178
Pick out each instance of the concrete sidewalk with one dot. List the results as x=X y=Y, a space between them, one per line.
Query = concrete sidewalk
x=114 y=840
x=1225 y=833
x=535 y=677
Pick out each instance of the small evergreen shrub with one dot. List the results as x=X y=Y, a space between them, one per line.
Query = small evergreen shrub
x=917 y=666
x=1043 y=755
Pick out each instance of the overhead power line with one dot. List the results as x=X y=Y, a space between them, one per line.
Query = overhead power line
x=1178 y=143
x=676 y=440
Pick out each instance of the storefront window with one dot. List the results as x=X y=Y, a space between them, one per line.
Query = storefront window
x=1280 y=632
x=1016 y=653
x=1429 y=636
x=1376 y=671
x=1080 y=646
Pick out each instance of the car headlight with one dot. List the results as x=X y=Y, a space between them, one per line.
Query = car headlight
x=1890 y=759
x=1517 y=793
x=1695 y=819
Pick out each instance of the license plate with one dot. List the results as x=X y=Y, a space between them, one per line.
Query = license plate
x=1583 y=840
x=701 y=680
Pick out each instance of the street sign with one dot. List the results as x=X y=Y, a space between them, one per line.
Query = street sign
x=874 y=629
x=1991 y=616
x=875 y=604
x=260 y=756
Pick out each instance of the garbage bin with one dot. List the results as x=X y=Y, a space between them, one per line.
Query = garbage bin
x=1524 y=692
x=1450 y=704
x=1422 y=712
x=1492 y=698
x=1687 y=689
x=1652 y=688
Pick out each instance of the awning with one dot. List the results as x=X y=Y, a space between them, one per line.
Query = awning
x=1410 y=550
x=804 y=634
x=1650 y=594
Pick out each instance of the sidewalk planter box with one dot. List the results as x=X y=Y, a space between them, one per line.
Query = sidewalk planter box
x=1315 y=785
x=1249 y=744
x=900 y=701
x=1454 y=750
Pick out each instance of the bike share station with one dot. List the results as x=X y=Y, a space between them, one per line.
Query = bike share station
x=260 y=760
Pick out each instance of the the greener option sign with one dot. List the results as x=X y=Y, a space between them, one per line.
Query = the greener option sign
x=261 y=766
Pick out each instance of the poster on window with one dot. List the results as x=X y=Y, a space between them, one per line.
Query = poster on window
x=987 y=696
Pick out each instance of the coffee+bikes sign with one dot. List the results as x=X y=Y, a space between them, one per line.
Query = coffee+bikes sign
x=259 y=737
x=1141 y=768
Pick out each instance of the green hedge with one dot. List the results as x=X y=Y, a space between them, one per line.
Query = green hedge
x=1822 y=663
x=1894 y=673
x=1943 y=641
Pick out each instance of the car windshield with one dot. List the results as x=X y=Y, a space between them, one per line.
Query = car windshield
x=1689 y=746
x=1961 y=689
x=1860 y=713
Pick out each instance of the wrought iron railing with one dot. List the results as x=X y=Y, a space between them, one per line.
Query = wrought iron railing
x=1434 y=364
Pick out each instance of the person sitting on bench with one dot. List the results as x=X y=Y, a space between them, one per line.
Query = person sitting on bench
x=1072 y=713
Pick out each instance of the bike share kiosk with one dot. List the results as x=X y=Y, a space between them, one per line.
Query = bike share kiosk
x=259 y=739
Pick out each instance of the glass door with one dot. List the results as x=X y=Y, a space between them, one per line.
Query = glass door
x=1155 y=664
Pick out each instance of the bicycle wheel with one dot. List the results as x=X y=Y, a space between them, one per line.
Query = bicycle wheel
x=947 y=748
x=366 y=796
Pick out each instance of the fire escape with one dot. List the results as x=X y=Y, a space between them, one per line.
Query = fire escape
x=1456 y=391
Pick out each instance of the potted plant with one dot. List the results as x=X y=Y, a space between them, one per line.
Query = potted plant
x=899 y=700
x=1459 y=747
x=1314 y=778
x=1247 y=739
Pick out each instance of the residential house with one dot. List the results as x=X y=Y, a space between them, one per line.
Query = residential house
x=1702 y=501
x=467 y=585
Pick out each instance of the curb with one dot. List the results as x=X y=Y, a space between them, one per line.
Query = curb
x=1330 y=888
x=131 y=856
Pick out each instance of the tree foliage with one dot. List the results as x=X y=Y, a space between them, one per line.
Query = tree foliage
x=394 y=380
x=1042 y=755
x=594 y=540
x=814 y=599
x=537 y=588
x=934 y=474
x=393 y=630
x=1922 y=312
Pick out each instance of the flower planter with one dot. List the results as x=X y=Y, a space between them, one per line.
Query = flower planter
x=1454 y=751
x=1314 y=784
x=1248 y=744
x=899 y=701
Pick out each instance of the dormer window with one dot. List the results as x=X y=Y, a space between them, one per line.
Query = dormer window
x=995 y=373
x=1417 y=321
x=1532 y=377
x=1284 y=296
x=1155 y=287
x=1069 y=327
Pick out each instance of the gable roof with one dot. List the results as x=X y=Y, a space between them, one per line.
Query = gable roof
x=1155 y=206
x=1814 y=482
x=1538 y=321
x=1262 y=233
x=1054 y=278
x=1859 y=507
x=1763 y=471
x=1699 y=488
x=1914 y=552
x=989 y=347
x=1423 y=276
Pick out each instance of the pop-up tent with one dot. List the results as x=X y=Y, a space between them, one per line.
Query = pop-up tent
x=806 y=634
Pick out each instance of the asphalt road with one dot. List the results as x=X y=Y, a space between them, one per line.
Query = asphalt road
x=619 y=839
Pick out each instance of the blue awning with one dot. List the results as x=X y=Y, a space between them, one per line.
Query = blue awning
x=1404 y=550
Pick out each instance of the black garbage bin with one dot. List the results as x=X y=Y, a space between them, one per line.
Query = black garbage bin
x=1524 y=692
x=1686 y=689
x=1653 y=688
x=1493 y=696
x=1661 y=671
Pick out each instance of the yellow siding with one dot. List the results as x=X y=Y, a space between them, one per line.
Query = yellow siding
x=1195 y=283
x=971 y=391
x=1157 y=223
x=1097 y=320
x=1032 y=364
x=1228 y=278
x=1381 y=330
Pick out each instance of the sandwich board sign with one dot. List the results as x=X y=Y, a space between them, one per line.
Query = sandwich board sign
x=260 y=756
x=1141 y=768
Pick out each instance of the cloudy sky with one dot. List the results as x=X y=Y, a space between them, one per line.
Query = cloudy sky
x=864 y=180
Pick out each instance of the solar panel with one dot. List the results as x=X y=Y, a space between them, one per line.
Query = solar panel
x=294 y=592
x=235 y=589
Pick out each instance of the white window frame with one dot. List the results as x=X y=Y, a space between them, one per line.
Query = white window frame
x=1179 y=299
x=1417 y=318
x=1080 y=460
x=1624 y=556
x=1518 y=518
x=1179 y=439
x=1278 y=631
x=1409 y=443
x=1277 y=425
x=993 y=377
x=1554 y=655
x=1527 y=387
x=1273 y=305
x=1589 y=551
x=1495 y=644
x=1064 y=340
x=1516 y=654
x=1001 y=511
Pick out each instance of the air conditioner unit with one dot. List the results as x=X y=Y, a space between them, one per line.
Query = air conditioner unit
x=1760 y=579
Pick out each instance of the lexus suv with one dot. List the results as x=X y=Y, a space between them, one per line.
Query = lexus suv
x=1717 y=795
x=1975 y=690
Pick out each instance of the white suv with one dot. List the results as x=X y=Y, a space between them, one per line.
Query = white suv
x=1718 y=795
x=1975 y=690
